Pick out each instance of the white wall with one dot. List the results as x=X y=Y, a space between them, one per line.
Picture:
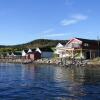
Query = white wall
x=23 y=53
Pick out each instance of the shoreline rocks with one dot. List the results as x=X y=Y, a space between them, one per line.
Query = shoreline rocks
x=54 y=61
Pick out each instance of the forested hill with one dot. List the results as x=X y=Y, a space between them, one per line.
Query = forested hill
x=41 y=43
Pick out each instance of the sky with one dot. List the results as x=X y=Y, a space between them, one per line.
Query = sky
x=22 y=21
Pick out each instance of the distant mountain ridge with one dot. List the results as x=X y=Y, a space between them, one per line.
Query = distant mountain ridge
x=41 y=43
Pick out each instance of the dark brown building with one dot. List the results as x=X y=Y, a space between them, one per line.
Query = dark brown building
x=33 y=55
x=83 y=48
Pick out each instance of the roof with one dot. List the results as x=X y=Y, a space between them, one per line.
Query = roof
x=87 y=40
x=33 y=52
x=26 y=51
x=37 y=49
x=29 y=50
x=14 y=53
x=88 y=43
x=59 y=45
x=75 y=40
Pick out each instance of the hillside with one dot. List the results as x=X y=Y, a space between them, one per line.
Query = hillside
x=41 y=43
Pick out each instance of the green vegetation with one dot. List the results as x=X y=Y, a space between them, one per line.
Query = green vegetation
x=41 y=43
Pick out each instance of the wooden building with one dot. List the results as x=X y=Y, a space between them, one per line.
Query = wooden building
x=46 y=52
x=14 y=55
x=33 y=55
x=81 y=48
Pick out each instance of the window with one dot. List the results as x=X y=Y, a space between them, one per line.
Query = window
x=76 y=45
x=86 y=44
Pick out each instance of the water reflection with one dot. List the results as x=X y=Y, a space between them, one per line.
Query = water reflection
x=48 y=82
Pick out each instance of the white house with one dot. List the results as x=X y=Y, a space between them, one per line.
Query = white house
x=23 y=53
x=60 y=50
x=59 y=45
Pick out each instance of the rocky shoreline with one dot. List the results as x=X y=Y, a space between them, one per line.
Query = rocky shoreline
x=51 y=61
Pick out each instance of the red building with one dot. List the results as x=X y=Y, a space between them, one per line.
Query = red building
x=33 y=55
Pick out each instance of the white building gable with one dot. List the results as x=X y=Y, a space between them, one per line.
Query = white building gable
x=59 y=48
x=23 y=53
x=29 y=50
x=12 y=54
x=73 y=43
x=37 y=49
x=59 y=45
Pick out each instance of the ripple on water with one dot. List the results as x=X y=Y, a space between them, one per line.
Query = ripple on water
x=24 y=82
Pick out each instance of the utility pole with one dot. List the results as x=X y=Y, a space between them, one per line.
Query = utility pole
x=98 y=46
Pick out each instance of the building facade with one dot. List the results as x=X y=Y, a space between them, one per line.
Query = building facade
x=80 y=48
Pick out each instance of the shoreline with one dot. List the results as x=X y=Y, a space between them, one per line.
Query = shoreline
x=89 y=63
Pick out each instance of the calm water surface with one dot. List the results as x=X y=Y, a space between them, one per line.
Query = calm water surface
x=48 y=82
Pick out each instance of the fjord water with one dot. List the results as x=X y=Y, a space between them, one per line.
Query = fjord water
x=48 y=82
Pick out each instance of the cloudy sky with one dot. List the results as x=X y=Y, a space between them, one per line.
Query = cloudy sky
x=24 y=20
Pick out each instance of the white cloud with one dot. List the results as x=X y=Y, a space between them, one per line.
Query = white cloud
x=50 y=33
x=55 y=34
x=73 y=19
x=68 y=22
x=46 y=31
x=79 y=17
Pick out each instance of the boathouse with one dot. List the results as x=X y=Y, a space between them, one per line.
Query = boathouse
x=34 y=55
x=14 y=55
x=46 y=52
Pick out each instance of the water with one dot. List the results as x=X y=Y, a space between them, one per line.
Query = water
x=48 y=82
